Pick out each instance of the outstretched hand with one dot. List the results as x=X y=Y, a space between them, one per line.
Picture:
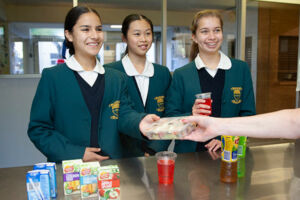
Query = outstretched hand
x=204 y=130
x=147 y=121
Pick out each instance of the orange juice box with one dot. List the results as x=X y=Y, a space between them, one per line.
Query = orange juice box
x=109 y=183
x=71 y=169
x=88 y=179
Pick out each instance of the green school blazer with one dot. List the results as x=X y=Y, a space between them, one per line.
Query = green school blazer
x=60 y=122
x=158 y=86
x=237 y=97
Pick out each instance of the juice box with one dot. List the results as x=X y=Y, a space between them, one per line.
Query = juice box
x=71 y=169
x=109 y=183
x=52 y=169
x=229 y=148
x=88 y=179
x=38 y=184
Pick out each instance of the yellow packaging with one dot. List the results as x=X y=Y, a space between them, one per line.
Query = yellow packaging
x=229 y=148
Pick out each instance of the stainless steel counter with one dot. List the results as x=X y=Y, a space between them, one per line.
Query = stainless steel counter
x=272 y=172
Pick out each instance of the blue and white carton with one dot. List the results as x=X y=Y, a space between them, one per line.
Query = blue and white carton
x=38 y=185
x=52 y=169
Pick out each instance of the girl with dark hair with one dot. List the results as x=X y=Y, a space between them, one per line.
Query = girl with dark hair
x=210 y=70
x=147 y=82
x=79 y=107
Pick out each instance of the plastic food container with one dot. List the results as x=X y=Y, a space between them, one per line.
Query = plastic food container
x=169 y=128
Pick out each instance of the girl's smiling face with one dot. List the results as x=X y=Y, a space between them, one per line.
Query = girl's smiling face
x=86 y=35
x=209 y=35
x=139 y=37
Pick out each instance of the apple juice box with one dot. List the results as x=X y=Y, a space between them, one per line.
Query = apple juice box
x=109 y=183
x=71 y=169
x=88 y=179
x=38 y=184
x=52 y=169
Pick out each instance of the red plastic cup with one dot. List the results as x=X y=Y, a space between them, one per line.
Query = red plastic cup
x=165 y=166
x=207 y=97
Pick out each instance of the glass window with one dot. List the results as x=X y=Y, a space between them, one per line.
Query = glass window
x=4 y=68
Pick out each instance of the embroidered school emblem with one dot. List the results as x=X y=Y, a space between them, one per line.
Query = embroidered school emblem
x=115 y=109
x=160 y=103
x=236 y=95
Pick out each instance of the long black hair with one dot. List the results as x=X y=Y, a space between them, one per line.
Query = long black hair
x=131 y=18
x=70 y=21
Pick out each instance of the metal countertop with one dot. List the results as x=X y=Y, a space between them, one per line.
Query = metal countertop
x=272 y=172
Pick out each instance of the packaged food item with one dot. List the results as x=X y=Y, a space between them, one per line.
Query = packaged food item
x=242 y=146
x=38 y=184
x=241 y=168
x=71 y=169
x=169 y=128
x=228 y=172
x=109 y=183
x=88 y=179
x=52 y=169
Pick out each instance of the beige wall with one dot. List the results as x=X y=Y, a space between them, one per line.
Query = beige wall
x=56 y=14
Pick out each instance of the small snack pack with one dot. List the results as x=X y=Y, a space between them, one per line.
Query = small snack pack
x=88 y=179
x=109 y=183
x=38 y=185
x=71 y=169
x=52 y=169
x=169 y=128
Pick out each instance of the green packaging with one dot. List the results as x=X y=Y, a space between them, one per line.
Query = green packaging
x=242 y=146
x=241 y=167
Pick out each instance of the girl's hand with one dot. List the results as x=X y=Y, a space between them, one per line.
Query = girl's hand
x=90 y=154
x=199 y=108
x=147 y=121
x=213 y=145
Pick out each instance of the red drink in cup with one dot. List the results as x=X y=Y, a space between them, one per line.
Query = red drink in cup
x=165 y=171
x=165 y=166
x=207 y=97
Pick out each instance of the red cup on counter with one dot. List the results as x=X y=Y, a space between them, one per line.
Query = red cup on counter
x=165 y=166
x=207 y=97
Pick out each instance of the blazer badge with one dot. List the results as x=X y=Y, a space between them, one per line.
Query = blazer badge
x=236 y=95
x=115 y=109
x=160 y=103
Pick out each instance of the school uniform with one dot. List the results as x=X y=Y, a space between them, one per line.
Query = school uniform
x=147 y=91
x=60 y=119
x=236 y=98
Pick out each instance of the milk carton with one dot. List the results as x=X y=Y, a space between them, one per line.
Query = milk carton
x=52 y=169
x=38 y=185
x=109 y=183
x=88 y=179
x=71 y=169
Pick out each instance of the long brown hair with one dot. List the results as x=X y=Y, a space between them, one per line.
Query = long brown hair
x=199 y=15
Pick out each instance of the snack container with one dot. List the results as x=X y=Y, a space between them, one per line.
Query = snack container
x=52 y=169
x=71 y=177
x=169 y=128
x=38 y=184
x=88 y=179
x=109 y=183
